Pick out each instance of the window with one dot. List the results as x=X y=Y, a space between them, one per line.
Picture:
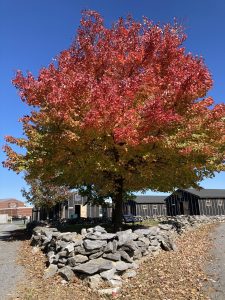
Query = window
x=100 y=212
x=219 y=202
x=155 y=207
x=208 y=203
x=144 y=207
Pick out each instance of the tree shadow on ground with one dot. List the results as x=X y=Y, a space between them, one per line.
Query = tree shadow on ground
x=15 y=235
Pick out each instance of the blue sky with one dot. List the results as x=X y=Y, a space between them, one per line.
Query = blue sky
x=34 y=32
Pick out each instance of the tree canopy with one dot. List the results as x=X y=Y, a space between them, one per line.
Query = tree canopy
x=123 y=108
x=45 y=194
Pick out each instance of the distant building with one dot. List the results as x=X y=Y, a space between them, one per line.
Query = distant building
x=181 y=202
x=77 y=207
x=149 y=206
x=14 y=208
x=196 y=202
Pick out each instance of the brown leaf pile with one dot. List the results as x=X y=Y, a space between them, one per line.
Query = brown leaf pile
x=37 y=288
x=169 y=276
x=173 y=275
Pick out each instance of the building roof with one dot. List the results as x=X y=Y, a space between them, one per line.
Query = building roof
x=150 y=199
x=9 y=199
x=207 y=193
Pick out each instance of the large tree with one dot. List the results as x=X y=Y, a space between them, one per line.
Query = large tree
x=123 y=109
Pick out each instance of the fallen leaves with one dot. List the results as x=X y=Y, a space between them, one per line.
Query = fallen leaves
x=169 y=276
x=173 y=275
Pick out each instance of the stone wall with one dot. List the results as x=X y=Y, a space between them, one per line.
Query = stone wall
x=100 y=257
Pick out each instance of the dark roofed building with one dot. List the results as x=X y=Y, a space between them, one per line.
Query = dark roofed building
x=196 y=202
x=146 y=206
x=150 y=199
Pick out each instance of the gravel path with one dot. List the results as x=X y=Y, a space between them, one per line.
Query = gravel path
x=10 y=272
x=216 y=267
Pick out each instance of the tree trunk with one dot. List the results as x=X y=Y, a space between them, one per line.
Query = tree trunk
x=117 y=217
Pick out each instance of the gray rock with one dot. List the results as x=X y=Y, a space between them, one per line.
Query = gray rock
x=154 y=230
x=63 y=260
x=107 y=275
x=112 y=256
x=50 y=271
x=66 y=273
x=146 y=252
x=125 y=256
x=144 y=240
x=56 y=234
x=62 y=253
x=71 y=254
x=60 y=245
x=137 y=254
x=115 y=246
x=120 y=266
x=126 y=232
x=54 y=259
x=68 y=236
x=124 y=236
x=141 y=244
x=83 y=231
x=154 y=243
x=94 y=266
x=81 y=250
x=90 y=230
x=134 y=236
x=77 y=259
x=117 y=277
x=60 y=265
x=49 y=254
x=115 y=283
x=94 y=281
x=133 y=265
x=95 y=255
x=129 y=274
x=167 y=244
x=92 y=245
x=165 y=226
x=103 y=236
x=78 y=242
x=100 y=229
x=108 y=247
x=153 y=248
x=132 y=245
x=70 y=247
x=46 y=241
x=143 y=232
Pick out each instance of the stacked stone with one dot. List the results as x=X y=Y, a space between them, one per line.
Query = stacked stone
x=98 y=255
x=183 y=223
x=101 y=257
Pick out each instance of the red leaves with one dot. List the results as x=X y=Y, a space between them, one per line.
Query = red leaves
x=101 y=77
x=130 y=88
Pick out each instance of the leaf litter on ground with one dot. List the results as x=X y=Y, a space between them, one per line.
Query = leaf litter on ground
x=175 y=275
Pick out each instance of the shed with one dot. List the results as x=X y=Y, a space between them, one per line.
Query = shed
x=196 y=202
x=147 y=206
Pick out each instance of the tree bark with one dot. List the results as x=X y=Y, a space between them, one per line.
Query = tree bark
x=117 y=198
